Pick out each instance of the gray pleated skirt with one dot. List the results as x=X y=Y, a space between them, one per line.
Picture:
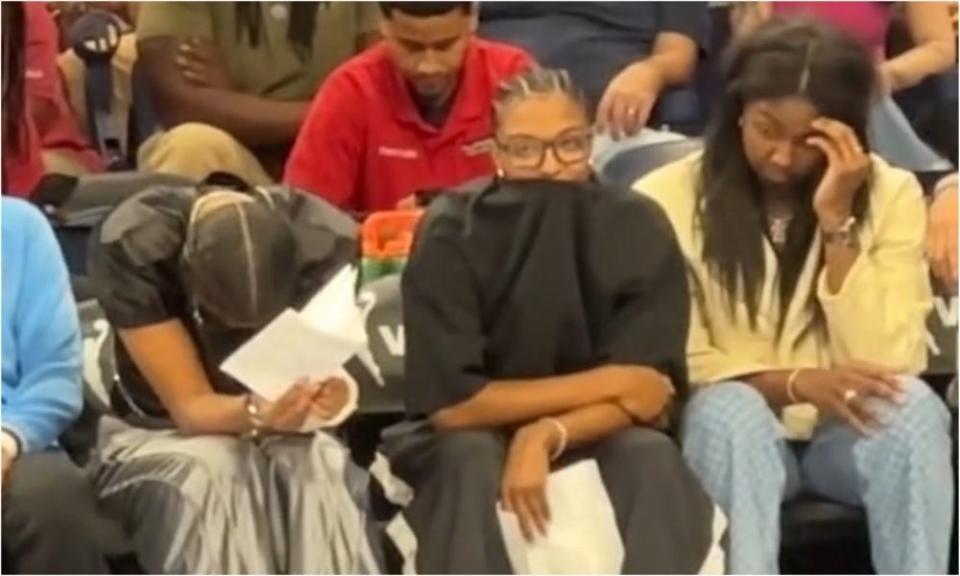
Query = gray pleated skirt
x=220 y=504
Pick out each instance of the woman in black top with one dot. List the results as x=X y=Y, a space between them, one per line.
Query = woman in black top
x=546 y=322
x=209 y=477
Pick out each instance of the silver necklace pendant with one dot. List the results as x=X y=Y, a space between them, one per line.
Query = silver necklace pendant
x=778 y=228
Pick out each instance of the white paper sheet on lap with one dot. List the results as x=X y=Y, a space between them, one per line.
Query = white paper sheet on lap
x=582 y=537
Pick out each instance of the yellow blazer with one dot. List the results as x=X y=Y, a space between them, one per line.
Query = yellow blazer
x=878 y=315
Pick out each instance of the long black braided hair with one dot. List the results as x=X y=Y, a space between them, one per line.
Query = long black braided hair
x=14 y=89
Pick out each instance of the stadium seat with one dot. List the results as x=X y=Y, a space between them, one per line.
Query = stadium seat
x=381 y=393
x=628 y=166
x=822 y=537
x=76 y=205
x=99 y=371
x=679 y=110
x=381 y=299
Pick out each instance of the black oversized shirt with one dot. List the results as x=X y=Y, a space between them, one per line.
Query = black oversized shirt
x=537 y=279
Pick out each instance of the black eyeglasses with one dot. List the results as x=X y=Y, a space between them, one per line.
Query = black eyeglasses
x=570 y=147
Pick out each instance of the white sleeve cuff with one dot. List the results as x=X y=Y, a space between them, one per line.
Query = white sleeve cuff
x=313 y=423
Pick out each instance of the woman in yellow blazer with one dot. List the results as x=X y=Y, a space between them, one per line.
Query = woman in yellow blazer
x=809 y=296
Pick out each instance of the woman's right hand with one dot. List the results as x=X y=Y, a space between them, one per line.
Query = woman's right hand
x=846 y=392
x=287 y=413
x=643 y=392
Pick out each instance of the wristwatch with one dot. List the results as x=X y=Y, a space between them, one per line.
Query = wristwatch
x=845 y=235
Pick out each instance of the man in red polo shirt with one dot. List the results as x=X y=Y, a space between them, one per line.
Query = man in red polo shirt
x=410 y=114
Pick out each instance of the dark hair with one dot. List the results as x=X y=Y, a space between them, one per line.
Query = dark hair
x=241 y=261
x=780 y=59
x=424 y=9
x=302 y=21
x=536 y=81
x=14 y=89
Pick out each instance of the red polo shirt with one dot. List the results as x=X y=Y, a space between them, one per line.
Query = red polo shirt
x=365 y=147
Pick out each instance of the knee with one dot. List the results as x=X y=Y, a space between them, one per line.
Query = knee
x=194 y=149
x=315 y=458
x=55 y=501
x=471 y=454
x=216 y=459
x=728 y=410
x=636 y=444
x=921 y=419
x=919 y=397
x=197 y=470
x=194 y=138
x=648 y=452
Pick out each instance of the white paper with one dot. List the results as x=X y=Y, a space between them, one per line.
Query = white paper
x=582 y=537
x=333 y=309
x=337 y=310
x=288 y=349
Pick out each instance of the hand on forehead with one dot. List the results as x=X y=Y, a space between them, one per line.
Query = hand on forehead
x=792 y=117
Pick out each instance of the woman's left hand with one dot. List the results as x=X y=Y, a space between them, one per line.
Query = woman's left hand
x=847 y=167
x=524 y=484
x=629 y=99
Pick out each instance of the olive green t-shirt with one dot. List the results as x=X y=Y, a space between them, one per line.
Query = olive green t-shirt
x=273 y=68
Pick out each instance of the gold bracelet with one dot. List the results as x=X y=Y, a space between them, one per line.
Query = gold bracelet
x=791 y=386
x=562 y=444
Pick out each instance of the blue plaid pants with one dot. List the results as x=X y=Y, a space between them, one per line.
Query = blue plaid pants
x=902 y=475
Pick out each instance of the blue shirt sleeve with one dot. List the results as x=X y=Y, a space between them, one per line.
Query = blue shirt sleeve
x=46 y=394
